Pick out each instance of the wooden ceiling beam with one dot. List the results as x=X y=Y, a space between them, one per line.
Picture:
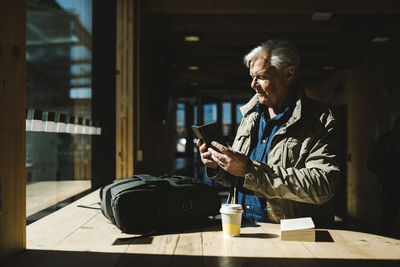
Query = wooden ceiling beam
x=242 y=72
x=233 y=55
x=313 y=39
x=250 y=23
x=211 y=78
x=270 y=7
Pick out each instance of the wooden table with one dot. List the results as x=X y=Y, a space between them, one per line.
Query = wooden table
x=75 y=236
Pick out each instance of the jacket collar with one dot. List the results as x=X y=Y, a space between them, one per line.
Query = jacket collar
x=250 y=106
x=299 y=107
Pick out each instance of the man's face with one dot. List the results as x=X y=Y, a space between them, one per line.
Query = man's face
x=271 y=86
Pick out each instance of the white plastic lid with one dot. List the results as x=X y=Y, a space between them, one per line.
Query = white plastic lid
x=231 y=208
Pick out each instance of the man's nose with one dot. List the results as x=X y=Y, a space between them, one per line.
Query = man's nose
x=254 y=82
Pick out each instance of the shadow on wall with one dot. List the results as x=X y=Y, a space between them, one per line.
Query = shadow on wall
x=384 y=161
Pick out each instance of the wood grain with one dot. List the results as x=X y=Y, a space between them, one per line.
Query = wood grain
x=12 y=126
x=46 y=234
x=84 y=237
x=125 y=89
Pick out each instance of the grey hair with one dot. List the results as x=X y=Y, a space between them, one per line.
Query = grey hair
x=278 y=53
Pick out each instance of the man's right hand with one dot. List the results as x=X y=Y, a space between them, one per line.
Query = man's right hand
x=206 y=155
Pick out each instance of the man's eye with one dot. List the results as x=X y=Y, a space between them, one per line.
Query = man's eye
x=263 y=78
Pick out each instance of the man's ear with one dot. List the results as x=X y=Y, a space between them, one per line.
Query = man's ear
x=289 y=74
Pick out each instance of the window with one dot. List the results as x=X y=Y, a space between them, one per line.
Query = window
x=238 y=113
x=210 y=113
x=180 y=128
x=58 y=162
x=195 y=114
x=226 y=118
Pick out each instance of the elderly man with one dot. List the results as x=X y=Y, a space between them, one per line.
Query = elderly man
x=283 y=159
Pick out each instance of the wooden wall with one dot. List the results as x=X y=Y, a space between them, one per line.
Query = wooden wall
x=125 y=89
x=12 y=126
x=371 y=95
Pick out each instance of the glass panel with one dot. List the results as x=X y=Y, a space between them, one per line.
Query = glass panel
x=195 y=114
x=180 y=128
x=58 y=54
x=210 y=113
x=238 y=113
x=226 y=118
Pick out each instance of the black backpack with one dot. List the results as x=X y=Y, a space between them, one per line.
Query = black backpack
x=147 y=204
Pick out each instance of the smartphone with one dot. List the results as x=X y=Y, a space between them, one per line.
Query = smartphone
x=208 y=132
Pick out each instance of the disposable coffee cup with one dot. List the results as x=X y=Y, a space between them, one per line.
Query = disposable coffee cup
x=231 y=215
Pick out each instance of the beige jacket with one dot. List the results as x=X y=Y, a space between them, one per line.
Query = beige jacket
x=302 y=171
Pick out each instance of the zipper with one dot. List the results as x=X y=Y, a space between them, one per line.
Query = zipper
x=284 y=153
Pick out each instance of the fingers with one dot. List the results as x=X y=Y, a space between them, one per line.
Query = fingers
x=235 y=163
x=206 y=154
x=203 y=148
x=206 y=158
x=222 y=148
x=216 y=157
x=199 y=142
x=222 y=159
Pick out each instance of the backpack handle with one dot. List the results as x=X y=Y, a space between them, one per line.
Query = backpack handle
x=149 y=178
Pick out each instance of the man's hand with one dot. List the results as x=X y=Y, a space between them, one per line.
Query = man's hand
x=231 y=161
x=206 y=155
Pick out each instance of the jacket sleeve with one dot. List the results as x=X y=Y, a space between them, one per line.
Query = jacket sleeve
x=315 y=183
x=220 y=176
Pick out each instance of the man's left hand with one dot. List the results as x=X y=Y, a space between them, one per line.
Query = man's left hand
x=231 y=161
